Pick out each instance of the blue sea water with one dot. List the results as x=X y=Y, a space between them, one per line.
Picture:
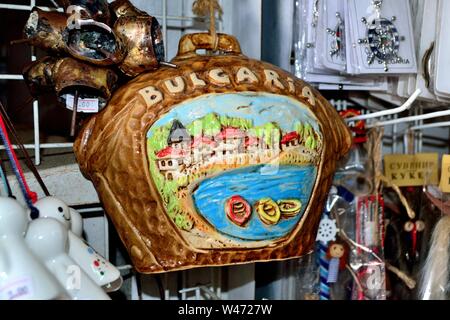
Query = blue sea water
x=289 y=182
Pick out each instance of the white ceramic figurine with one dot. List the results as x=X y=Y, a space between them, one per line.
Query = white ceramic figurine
x=48 y=239
x=100 y=270
x=22 y=275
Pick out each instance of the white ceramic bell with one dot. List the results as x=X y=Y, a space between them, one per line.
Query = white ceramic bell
x=51 y=207
x=48 y=239
x=100 y=270
x=76 y=222
x=22 y=275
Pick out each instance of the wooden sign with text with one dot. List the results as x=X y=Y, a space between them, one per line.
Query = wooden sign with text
x=412 y=170
x=445 y=174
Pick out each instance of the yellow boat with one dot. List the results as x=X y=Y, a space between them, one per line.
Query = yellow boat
x=268 y=211
x=289 y=207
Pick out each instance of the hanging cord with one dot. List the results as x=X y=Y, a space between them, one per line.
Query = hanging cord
x=25 y=153
x=403 y=200
x=205 y=7
x=6 y=185
x=30 y=196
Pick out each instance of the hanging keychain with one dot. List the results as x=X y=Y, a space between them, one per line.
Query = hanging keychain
x=382 y=38
x=337 y=45
x=337 y=254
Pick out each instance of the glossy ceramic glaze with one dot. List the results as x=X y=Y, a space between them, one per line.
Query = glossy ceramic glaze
x=22 y=275
x=48 y=239
x=100 y=270
x=180 y=155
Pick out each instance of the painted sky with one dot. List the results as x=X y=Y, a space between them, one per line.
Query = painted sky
x=261 y=108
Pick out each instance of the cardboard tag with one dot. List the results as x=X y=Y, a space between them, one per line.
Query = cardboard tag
x=412 y=170
x=445 y=174
x=84 y=105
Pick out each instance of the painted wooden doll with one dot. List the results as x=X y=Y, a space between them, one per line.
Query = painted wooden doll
x=338 y=258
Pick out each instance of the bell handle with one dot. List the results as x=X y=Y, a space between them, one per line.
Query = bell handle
x=190 y=43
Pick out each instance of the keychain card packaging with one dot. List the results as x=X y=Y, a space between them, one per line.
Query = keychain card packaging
x=442 y=52
x=320 y=34
x=426 y=57
x=369 y=232
x=354 y=58
x=370 y=223
x=313 y=28
x=384 y=36
x=334 y=53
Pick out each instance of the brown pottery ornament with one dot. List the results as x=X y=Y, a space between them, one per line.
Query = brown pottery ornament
x=223 y=160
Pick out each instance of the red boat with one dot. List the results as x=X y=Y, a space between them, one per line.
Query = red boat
x=238 y=210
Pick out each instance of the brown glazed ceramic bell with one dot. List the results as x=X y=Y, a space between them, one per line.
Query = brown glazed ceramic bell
x=223 y=160
x=90 y=81
x=122 y=8
x=144 y=44
x=38 y=75
x=94 y=42
x=44 y=30
x=97 y=10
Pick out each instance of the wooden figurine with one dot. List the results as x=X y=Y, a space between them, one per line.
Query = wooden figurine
x=223 y=160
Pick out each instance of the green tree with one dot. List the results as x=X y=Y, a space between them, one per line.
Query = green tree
x=309 y=142
x=270 y=132
x=307 y=130
x=211 y=124
x=158 y=140
x=195 y=128
x=299 y=128
x=243 y=124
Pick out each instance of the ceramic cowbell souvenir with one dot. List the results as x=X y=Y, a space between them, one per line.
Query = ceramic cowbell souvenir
x=91 y=82
x=143 y=38
x=45 y=30
x=224 y=160
x=121 y=8
x=89 y=9
x=38 y=75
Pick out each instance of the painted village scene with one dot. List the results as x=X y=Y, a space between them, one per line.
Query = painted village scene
x=231 y=179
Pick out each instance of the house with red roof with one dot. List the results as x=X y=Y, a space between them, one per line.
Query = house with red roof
x=202 y=149
x=290 y=140
x=177 y=155
x=185 y=155
x=171 y=162
x=254 y=147
x=230 y=141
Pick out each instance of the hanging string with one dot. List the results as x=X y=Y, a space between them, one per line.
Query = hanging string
x=6 y=185
x=30 y=196
x=25 y=153
x=323 y=272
